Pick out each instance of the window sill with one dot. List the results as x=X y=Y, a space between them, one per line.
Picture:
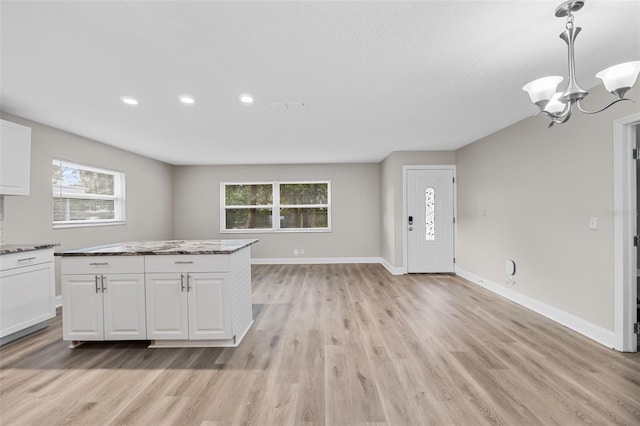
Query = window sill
x=275 y=231
x=87 y=224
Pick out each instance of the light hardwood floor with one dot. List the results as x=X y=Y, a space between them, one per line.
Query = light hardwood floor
x=336 y=345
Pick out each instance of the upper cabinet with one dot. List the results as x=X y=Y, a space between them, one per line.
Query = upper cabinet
x=15 y=159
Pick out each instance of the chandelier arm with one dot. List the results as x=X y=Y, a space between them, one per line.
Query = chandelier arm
x=560 y=120
x=600 y=110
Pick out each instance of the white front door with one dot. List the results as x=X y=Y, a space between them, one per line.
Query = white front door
x=429 y=220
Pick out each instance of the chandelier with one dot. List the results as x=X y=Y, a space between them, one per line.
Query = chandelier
x=558 y=106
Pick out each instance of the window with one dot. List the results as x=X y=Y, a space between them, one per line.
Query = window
x=298 y=206
x=430 y=214
x=85 y=195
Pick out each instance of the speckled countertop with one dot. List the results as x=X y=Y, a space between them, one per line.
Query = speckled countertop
x=145 y=248
x=18 y=248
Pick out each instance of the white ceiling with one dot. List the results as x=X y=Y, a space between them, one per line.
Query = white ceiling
x=376 y=77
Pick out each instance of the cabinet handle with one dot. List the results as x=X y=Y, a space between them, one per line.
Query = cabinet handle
x=188 y=285
x=97 y=286
x=104 y=287
x=99 y=264
x=27 y=259
x=183 y=262
x=181 y=282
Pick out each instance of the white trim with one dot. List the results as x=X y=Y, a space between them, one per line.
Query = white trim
x=57 y=301
x=234 y=342
x=275 y=207
x=312 y=260
x=624 y=227
x=393 y=270
x=405 y=236
x=87 y=224
x=586 y=328
x=119 y=196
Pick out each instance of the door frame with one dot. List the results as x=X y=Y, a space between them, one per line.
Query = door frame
x=403 y=221
x=624 y=227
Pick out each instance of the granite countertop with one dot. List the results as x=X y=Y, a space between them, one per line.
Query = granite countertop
x=144 y=248
x=18 y=248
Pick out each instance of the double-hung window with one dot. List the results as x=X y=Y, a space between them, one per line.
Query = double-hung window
x=275 y=206
x=86 y=195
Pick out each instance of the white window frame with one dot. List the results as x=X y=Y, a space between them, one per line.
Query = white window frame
x=275 y=208
x=119 y=198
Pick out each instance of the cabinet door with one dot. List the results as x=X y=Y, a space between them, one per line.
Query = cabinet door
x=25 y=297
x=208 y=307
x=124 y=307
x=82 y=307
x=15 y=158
x=166 y=296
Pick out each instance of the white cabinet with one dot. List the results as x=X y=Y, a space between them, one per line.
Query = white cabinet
x=173 y=300
x=209 y=306
x=27 y=291
x=182 y=304
x=15 y=158
x=100 y=304
x=167 y=314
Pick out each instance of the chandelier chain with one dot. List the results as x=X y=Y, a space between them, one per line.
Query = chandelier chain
x=569 y=25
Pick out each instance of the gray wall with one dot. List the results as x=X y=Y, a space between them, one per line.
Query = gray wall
x=355 y=197
x=526 y=193
x=148 y=191
x=391 y=197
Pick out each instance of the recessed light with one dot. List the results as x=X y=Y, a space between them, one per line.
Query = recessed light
x=186 y=99
x=246 y=99
x=129 y=100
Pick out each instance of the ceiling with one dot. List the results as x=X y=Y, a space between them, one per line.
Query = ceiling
x=375 y=77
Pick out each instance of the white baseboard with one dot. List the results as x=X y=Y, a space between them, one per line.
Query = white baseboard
x=312 y=260
x=393 y=270
x=582 y=326
x=58 y=300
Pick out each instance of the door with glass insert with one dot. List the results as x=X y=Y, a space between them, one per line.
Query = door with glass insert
x=429 y=220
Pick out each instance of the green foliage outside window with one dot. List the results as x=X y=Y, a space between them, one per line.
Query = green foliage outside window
x=301 y=205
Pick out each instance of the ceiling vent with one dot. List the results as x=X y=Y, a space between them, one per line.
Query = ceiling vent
x=287 y=105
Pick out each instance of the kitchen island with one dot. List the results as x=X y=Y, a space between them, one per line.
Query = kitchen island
x=176 y=293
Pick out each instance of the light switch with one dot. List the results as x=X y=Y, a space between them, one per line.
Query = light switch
x=593 y=222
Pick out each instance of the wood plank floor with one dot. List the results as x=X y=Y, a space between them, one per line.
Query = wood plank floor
x=336 y=345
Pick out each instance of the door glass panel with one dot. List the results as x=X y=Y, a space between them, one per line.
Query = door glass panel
x=430 y=214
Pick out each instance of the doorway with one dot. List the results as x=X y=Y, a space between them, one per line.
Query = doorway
x=625 y=224
x=636 y=202
x=429 y=219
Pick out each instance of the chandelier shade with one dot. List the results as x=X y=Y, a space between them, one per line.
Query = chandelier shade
x=621 y=76
x=543 y=88
x=558 y=106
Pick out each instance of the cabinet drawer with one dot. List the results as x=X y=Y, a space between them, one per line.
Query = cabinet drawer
x=188 y=263
x=102 y=265
x=25 y=258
